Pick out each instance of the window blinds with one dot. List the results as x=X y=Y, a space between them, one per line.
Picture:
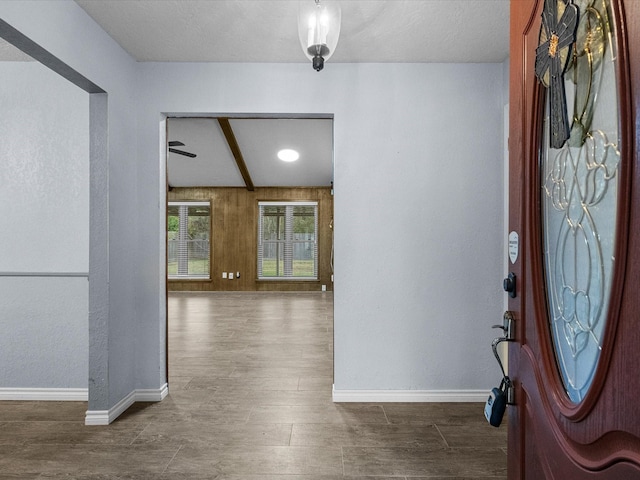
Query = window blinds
x=287 y=240
x=189 y=250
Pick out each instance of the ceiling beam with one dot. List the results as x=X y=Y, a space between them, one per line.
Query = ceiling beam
x=235 y=150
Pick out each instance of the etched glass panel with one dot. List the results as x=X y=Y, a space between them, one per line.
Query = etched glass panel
x=579 y=201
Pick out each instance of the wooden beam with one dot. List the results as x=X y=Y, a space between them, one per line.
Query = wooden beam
x=235 y=149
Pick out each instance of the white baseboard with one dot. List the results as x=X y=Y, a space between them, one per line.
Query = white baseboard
x=152 y=394
x=105 y=417
x=45 y=394
x=409 y=396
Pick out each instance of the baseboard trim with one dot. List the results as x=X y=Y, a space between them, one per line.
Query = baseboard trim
x=152 y=394
x=409 y=396
x=45 y=394
x=105 y=417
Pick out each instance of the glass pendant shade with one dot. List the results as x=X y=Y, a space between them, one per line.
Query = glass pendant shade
x=318 y=29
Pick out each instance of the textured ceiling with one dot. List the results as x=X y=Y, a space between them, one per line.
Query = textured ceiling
x=266 y=31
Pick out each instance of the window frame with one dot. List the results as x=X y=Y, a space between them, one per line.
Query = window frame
x=190 y=276
x=288 y=234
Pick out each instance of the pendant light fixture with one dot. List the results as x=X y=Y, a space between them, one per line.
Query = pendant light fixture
x=318 y=29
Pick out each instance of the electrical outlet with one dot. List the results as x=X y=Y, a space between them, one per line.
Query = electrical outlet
x=224 y=274
x=324 y=288
x=230 y=275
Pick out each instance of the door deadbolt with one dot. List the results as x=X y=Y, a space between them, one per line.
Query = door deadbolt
x=509 y=285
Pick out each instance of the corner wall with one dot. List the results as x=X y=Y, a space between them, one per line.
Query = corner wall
x=126 y=341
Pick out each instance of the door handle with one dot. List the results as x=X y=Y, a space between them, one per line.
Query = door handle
x=507 y=326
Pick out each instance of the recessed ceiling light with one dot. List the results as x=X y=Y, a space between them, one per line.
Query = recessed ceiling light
x=288 y=155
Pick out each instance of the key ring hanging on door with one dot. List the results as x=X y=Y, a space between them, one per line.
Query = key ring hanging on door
x=494 y=347
x=508 y=329
x=503 y=395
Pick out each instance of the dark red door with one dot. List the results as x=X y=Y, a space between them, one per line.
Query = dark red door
x=575 y=205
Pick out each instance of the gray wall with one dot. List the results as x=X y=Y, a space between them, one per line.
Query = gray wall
x=505 y=81
x=64 y=29
x=44 y=206
x=418 y=204
x=418 y=168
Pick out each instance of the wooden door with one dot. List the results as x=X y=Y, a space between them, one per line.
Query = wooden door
x=568 y=425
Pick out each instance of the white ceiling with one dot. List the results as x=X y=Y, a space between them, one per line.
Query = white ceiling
x=453 y=31
x=457 y=31
x=259 y=140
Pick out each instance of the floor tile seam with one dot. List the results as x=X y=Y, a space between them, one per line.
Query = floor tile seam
x=441 y=435
x=384 y=411
x=407 y=448
x=380 y=446
x=458 y=449
x=92 y=445
x=164 y=470
x=290 y=434
x=350 y=424
x=76 y=444
x=246 y=420
x=140 y=433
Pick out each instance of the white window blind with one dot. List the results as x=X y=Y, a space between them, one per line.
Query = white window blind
x=188 y=244
x=287 y=240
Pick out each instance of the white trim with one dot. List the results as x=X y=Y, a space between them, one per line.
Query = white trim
x=45 y=394
x=505 y=199
x=105 y=417
x=44 y=274
x=407 y=396
x=293 y=203
x=190 y=204
x=152 y=394
x=503 y=348
x=97 y=417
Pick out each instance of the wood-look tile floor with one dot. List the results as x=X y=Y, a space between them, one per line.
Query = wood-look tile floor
x=250 y=398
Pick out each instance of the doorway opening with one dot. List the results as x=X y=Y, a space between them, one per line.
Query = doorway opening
x=226 y=168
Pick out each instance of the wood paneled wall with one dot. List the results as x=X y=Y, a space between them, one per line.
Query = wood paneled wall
x=234 y=237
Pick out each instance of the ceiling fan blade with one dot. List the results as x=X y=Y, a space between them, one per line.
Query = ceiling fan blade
x=182 y=152
x=175 y=143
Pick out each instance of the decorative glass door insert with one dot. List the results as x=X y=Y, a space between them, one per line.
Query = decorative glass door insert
x=579 y=159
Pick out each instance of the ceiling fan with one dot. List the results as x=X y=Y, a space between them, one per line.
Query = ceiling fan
x=180 y=152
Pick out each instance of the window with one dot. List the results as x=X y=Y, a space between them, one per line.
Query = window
x=188 y=247
x=287 y=240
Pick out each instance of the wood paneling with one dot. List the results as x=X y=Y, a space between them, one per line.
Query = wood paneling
x=234 y=225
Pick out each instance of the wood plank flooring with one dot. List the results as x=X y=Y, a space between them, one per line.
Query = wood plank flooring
x=250 y=399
